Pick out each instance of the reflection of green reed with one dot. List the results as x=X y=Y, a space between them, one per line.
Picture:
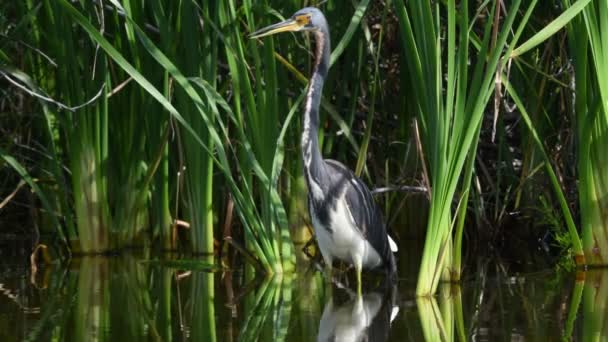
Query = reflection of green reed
x=203 y=310
x=577 y=294
x=269 y=310
x=163 y=315
x=438 y=319
x=91 y=315
x=431 y=319
x=131 y=303
x=103 y=299
x=446 y=306
x=591 y=288
x=458 y=313
x=54 y=282
x=310 y=297
x=595 y=300
x=124 y=299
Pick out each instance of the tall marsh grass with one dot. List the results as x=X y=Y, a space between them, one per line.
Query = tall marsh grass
x=588 y=42
x=150 y=113
x=451 y=105
x=182 y=115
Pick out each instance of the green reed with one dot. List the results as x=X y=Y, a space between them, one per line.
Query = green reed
x=183 y=114
x=179 y=107
x=269 y=243
x=583 y=20
x=195 y=52
x=450 y=119
x=588 y=42
x=109 y=173
x=85 y=130
x=568 y=18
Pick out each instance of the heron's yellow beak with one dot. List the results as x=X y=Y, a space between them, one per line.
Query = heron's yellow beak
x=289 y=25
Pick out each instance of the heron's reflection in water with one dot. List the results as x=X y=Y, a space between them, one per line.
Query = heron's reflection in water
x=359 y=318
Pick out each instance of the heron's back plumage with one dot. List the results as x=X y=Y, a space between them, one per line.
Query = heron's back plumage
x=346 y=218
x=364 y=212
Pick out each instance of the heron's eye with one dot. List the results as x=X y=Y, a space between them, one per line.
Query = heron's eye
x=303 y=20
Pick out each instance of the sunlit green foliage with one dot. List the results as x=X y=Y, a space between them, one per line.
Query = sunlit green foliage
x=174 y=115
x=588 y=41
x=451 y=105
x=147 y=113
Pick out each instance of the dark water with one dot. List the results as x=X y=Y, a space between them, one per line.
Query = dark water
x=130 y=299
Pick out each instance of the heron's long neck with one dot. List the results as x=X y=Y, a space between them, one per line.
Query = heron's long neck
x=311 y=153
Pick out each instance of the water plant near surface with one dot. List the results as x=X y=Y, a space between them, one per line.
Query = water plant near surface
x=109 y=178
x=589 y=103
x=168 y=120
x=151 y=132
x=588 y=42
x=122 y=185
x=450 y=120
x=174 y=301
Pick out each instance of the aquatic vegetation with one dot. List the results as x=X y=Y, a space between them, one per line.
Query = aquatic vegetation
x=588 y=42
x=154 y=124
x=450 y=114
x=88 y=299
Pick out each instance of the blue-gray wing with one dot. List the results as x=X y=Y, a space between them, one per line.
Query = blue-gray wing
x=363 y=209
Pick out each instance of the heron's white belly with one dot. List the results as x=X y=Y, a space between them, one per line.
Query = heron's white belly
x=344 y=242
x=347 y=322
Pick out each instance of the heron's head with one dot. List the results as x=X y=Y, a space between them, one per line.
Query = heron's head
x=306 y=19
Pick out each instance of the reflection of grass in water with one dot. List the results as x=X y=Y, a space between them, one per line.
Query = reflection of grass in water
x=431 y=319
x=595 y=304
x=310 y=296
x=55 y=308
x=129 y=287
x=576 y=297
x=91 y=317
x=442 y=318
x=200 y=264
x=100 y=298
x=267 y=319
x=125 y=299
x=163 y=315
x=202 y=326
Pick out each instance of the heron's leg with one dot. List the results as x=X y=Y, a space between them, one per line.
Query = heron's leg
x=329 y=272
x=328 y=266
x=358 y=266
x=358 y=270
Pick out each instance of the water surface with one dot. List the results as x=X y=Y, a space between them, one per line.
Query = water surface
x=129 y=298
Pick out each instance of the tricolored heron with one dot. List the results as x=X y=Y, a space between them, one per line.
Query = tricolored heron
x=348 y=225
